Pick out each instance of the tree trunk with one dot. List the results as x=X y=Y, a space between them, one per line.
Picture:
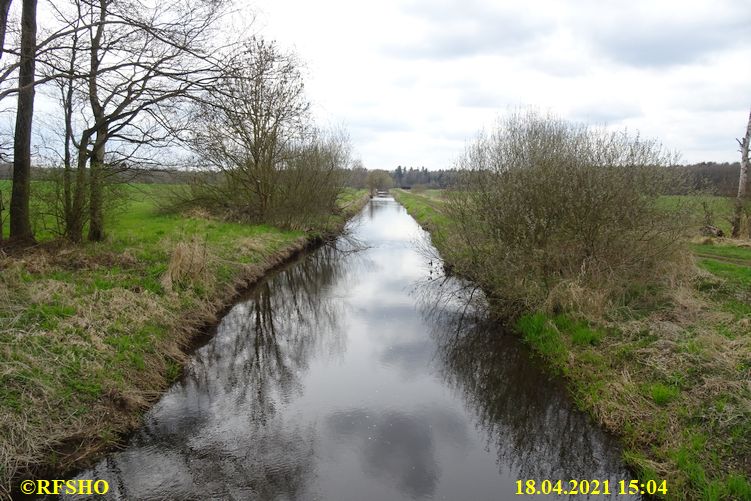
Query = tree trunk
x=75 y=189
x=2 y=208
x=67 y=175
x=742 y=182
x=4 y=8
x=96 y=209
x=20 y=221
x=74 y=225
x=96 y=164
x=67 y=102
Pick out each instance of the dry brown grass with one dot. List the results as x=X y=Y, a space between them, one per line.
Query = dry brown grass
x=188 y=265
x=722 y=241
x=573 y=295
x=43 y=355
x=677 y=346
x=254 y=245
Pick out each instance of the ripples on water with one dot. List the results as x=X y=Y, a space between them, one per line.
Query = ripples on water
x=359 y=372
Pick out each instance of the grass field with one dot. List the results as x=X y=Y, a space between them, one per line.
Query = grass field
x=670 y=377
x=717 y=209
x=90 y=335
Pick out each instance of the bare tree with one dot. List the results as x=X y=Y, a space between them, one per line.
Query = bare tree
x=309 y=184
x=742 y=182
x=128 y=69
x=25 y=64
x=4 y=9
x=73 y=180
x=250 y=128
x=379 y=180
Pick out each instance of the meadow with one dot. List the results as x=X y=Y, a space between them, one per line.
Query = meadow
x=669 y=373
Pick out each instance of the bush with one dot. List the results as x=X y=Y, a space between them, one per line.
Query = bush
x=551 y=209
x=302 y=191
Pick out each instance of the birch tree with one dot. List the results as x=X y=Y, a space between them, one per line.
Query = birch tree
x=742 y=182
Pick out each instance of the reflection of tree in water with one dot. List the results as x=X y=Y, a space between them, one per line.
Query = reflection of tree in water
x=264 y=344
x=218 y=432
x=527 y=417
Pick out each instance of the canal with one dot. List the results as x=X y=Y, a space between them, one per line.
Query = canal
x=360 y=373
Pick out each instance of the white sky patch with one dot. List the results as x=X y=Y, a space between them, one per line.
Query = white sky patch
x=413 y=80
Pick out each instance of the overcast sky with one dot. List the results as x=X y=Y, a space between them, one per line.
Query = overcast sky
x=412 y=80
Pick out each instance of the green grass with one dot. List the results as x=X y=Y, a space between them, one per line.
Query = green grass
x=580 y=333
x=721 y=208
x=662 y=394
x=427 y=210
x=4 y=214
x=734 y=273
x=724 y=251
x=541 y=333
x=433 y=194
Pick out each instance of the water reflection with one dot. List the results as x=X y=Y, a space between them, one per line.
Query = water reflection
x=526 y=415
x=220 y=431
x=339 y=379
x=394 y=445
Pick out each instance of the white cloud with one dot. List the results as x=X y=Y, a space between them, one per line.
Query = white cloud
x=413 y=80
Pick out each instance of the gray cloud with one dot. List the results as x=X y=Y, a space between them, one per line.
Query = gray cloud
x=367 y=127
x=379 y=123
x=446 y=67
x=712 y=95
x=458 y=29
x=648 y=35
x=479 y=98
x=401 y=446
x=668 y=44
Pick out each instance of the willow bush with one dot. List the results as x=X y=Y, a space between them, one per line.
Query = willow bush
x=561 y=215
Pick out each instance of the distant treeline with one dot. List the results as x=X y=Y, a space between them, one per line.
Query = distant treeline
x=408 y=177
x=715 y=178
x=122 y=174
x=712 y=177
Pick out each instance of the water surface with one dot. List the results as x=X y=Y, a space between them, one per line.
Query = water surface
x=359 y=373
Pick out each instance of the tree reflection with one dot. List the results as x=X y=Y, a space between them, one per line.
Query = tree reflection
x=219 y=431
x=527 y=416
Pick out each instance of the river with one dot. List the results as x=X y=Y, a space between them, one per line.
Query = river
x=359 y=373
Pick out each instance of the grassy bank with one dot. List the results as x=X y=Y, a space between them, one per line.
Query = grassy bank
x=670 y=374
x=91 y=335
